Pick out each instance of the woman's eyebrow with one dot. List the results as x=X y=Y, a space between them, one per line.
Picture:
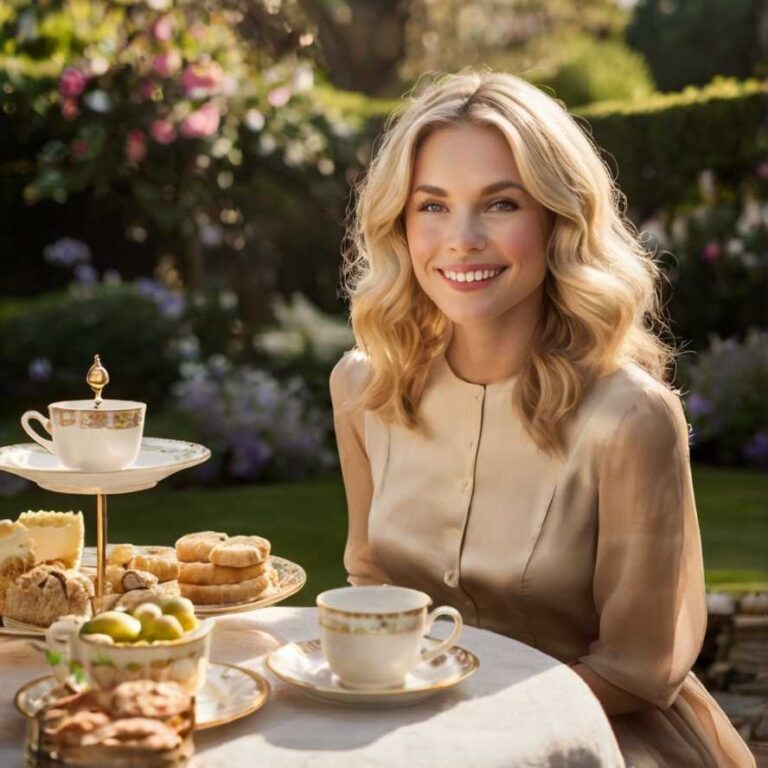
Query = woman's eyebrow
x=497 y=186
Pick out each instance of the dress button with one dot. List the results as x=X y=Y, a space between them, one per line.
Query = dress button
x=451 y=578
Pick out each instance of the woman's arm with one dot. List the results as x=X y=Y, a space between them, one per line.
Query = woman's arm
x=615 y=700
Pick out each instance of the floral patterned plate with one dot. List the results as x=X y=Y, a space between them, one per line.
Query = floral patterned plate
x=229 y=693
x=157 y=459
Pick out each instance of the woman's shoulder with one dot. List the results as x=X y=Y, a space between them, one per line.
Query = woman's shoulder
x=632 y=396
x=349 y=375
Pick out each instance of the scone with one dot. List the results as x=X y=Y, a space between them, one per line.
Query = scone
x=16 y=555
x=229 y=593
x=57 y=536
x=46 y=593
x=195 y=547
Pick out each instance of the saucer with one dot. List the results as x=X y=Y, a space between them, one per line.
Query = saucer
x=303 y=665
x=229 y=693
x=157 y=459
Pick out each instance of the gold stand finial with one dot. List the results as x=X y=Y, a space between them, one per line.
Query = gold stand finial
x=97 y=379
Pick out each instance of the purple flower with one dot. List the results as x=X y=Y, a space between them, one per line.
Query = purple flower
x=249 y=455
x=698 y=405
x=86 y=275
x=756 y=450
x=39 y=369
x=711 y=252
x=66 y=252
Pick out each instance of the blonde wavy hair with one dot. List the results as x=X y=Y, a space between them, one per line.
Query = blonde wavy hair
x=601 y=293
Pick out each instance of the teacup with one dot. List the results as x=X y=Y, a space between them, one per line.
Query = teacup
x=372 y=636
x=103 y=439
x=183 y=661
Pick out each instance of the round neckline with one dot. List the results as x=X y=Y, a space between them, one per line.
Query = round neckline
x=451 y=374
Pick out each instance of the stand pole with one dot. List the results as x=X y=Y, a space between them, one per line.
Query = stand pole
x=101 y=545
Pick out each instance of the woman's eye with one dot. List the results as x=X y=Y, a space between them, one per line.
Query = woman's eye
x=507 y=205
x=429 y=207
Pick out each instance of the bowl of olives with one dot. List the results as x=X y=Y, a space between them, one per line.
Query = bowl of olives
x=155 y=641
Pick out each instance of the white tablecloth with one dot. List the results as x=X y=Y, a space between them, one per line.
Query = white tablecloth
x=519 y=710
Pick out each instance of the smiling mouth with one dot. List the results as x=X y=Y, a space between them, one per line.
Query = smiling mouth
x=477 y=276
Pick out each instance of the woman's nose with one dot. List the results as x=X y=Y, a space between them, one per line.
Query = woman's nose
x=466 y=235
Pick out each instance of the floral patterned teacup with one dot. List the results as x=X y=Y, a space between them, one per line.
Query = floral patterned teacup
x=183 y=661
x=103 y=439
x=372 y=636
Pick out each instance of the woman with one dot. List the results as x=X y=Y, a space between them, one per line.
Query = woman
x=507 y=441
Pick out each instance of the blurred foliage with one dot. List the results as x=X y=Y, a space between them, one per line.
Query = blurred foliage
x=688 y=42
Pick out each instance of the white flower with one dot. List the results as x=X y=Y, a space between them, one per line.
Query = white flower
x=267 y=143
x=734 y=246
x=679 y=229
x=254 y=120
x=325 y=166
x=98 y=101
x=159 y=5
x=303 y=78
x=751 y=216
x=707 y=187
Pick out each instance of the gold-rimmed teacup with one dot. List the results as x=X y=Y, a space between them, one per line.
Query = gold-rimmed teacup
x=103 y=438
x=372 y=636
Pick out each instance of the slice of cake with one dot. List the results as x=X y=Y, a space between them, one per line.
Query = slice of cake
x=16 y=555
x=57 y=536
x=46 y=593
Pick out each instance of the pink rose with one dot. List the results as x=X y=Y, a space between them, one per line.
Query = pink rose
x=72 y=82
x=162 y=29
x=762 y=170
x=163 y=132
x=711 y=252
x=147 y=88
x=79 y=148
x=279 y=96
x=69 y=109
x=166 y=64
x=201 y=123
x=136 y=146
x=201 y=80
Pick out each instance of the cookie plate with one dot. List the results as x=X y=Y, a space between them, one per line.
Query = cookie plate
x=229 y=693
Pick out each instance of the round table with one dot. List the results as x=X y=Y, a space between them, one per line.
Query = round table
x=521 y=708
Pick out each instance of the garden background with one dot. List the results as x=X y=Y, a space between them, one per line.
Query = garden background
x=174 y=178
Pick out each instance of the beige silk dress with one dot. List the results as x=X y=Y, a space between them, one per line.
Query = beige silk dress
x=595 y=557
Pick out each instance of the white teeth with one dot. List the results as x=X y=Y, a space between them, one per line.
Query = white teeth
x=470 y=277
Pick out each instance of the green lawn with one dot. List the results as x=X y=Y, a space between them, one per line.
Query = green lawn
x=307 y=521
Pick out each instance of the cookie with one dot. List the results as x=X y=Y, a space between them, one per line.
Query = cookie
x=228 y=593
x=145 y=698
x=121 y=554
x=240 y=551
x=134 y=732
x=160 y=561
x=208 y=574
x=195 y=547
x=125 y=579
x=133 y=599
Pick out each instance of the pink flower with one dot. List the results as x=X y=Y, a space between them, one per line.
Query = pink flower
x=762 y=170
x=136 y=146
x=279 y=96
x=72 y=82
x=163 y=131
x=147 y=88
x=201 y=123
x=162 y=29
x=79 y=148
x=201 y=80
x=69 y=109
x=166 y=64
x=711 y=252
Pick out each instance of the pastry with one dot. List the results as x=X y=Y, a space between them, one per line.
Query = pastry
x=125 y=579
x=240 y=551
x=134 y=732
x=134 y=598
x=16 y=555
x=161 y=561
x=229 y=593
x=208 y=574
x=121 y=554
x=46 y=593
x=195 y=547
x=56 y=536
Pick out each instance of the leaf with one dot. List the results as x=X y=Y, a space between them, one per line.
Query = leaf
x=53 y=658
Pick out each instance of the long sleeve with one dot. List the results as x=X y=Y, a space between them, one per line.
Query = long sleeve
x=346 y=379
x=648 y=583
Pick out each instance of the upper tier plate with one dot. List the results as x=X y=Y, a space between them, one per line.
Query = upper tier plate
x=157 y=459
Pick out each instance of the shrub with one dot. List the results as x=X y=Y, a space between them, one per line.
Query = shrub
x=726 y=403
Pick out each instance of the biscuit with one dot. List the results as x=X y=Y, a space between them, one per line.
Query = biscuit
x=146 y=698
x=228 y=593
x=134 y=732
x=240 y=551
x=160 y=561
x=121 y=554
x=208 y=574
x=134 y=598
x=195 y=547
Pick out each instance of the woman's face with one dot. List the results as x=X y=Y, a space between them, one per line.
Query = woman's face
x=477 y=240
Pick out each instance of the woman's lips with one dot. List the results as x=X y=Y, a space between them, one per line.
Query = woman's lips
x=475 y=285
